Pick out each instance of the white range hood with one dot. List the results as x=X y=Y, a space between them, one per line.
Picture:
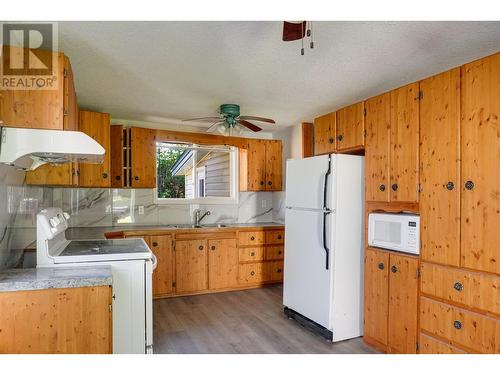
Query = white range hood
x=28 y=149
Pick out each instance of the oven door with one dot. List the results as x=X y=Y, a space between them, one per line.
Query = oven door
x=148 y=285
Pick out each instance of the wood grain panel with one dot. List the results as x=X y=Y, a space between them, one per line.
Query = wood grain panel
x=376 y=292
x=403 y=303
x=275 y=237
x=251 y=254
x=252 y=273
x=404 y=143
x=163 y=275
x=324 y=134
x=275 y=252
x=430 y=345
x=117 y=159
x=459 y=326
x=476 y=290
x=273 y=165
x=440 y=168
x=250 y=238
x=222 y=264
x=377 y=148
x=143 y=157
x=190 y=266
x=97 y=126
x=350 y=127
x=307 y=139
x=49 y=321
x=480 y=154
x=273 y=271
x=253 y=166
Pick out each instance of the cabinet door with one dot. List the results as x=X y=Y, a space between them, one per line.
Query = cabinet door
x=143 y=157
x=404 y=143
x=190 y=266
x=403 y=296
x=378 y=128
x=440 y=168
x=117 y=156
x=480 y=197
x=324 y=134
x=253 y=166
x=222 y=263
x=96 y=125
x=161 y=246
x=376 y=294
x=351 y=127
x=274 y=165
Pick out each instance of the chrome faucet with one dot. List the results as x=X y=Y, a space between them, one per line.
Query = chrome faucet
x=198 y=218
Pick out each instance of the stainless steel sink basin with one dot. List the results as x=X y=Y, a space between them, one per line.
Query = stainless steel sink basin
x=193 y=226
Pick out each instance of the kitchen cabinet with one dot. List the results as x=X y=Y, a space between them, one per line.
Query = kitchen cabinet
x=480 y=180
x=57 y=321
x=378 y=130
x=97 y=126
x=261 y=165
x=143 y=157
x=163 y=275
x=350 y=131
x=440 y=168
x=324 y=134
x=119 y=150
x=191 y=271
x=404 y=143
x=431 y=345
x=222 y=264
x=391 y=298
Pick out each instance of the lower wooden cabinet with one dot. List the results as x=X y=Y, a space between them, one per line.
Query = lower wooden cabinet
x=431 y=345
x=391 y=300
x=56 y=321
x=191 y=266
x=222 y=264
x=163 y=275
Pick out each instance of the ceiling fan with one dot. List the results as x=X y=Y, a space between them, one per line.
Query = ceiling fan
x=230 y=122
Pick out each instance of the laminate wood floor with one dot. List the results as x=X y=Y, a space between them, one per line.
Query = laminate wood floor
x=244 y=322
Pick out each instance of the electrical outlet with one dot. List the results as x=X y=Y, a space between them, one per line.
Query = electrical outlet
x=264 y=203
x=140 y=210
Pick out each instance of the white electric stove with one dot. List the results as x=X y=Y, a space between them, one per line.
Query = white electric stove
x=132 y=264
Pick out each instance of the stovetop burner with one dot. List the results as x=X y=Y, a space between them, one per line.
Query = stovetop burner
x=104 y=247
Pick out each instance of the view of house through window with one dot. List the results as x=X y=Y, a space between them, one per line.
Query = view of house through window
x=187 y=171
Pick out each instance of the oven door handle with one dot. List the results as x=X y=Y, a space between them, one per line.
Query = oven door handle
x=155 y=261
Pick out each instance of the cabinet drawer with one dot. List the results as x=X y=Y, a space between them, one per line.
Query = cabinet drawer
x=475 y=331
x=430 y=345
x=275 y=237
x=472 y=289
x=274 y=271
x=249 y=254
x=251 y=238
x=251 y=273
x=275 y=253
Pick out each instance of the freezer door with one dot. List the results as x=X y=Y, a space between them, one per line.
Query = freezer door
x=307 y=283
x=305 y=180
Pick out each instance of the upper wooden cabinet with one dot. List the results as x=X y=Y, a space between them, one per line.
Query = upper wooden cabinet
x=350 y=127
x=143 y=157
x=261 y=165
x=43 y=108
x=324 y=134
x=480 y=150
x=96 y=125
x=440 y=168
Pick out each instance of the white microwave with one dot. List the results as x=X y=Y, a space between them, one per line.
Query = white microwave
x=400 y=232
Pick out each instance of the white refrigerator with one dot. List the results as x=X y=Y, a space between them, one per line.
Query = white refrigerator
x=323 y=279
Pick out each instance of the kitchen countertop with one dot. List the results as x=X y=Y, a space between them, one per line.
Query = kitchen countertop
x=13 y=280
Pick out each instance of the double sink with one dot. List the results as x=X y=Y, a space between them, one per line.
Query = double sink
x=194 y=226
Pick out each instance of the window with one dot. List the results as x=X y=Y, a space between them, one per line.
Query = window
x=189 y=173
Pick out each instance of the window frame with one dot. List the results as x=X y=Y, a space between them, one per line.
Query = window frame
x=233 y=180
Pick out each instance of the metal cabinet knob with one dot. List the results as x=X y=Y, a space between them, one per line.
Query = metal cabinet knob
x=155 y=244
x=252 y=238
x=213 y=248
x=104 y=175
x=280 y=252
x=200 y=247
x=118 y=178
x=469 y=185
x=381 y=187
x=458 y=286
x=278 y=270
x=269 y=183
x=252 y=254
x=340 y=137
x=381 y=266
x=252 y=273
x=457 y=324
x=280 y=236
x=394 y=269
x=330 y=140
x=136 y=178
x=394 y=187
x=262 y=182
x=450 y=185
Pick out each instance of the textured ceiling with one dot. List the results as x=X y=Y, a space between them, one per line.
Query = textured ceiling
x=166 y=71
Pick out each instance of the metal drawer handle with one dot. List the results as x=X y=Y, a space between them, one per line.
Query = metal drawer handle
x=450 y=185
x=394 y=187
x=279 y=252
x=381 y=187
x=252 y=273
x=279 y=237
x=213 y=248
x=278 y=270
x=381 y=266
x=136 y=178
x=457 y=324
x=330 y=140
x=252 y=254
x=394 y=269
x=252 y=238
x=200 y=247
x=340 y=137
x=262 y=182
x=155 y=244
x=458 y=286
x=104 y=175
x=469 y=185
x=269 y=183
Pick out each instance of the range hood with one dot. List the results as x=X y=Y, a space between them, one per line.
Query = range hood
x=28 y=149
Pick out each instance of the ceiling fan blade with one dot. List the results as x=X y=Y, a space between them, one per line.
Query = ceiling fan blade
x=207 y=119
x=249 y=125
x=293 y=30
x=258 y=119
x=212 y=127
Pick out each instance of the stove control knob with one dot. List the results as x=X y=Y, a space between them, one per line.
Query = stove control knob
x=66 y=215
x=54 y=221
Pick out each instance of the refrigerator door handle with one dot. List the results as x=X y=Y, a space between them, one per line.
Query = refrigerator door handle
x=326 y=211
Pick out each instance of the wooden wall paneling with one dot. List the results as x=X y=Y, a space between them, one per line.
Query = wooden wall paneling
x=97 y=126
x=256 y=166
x=377 y=148
x=350 y=127
x=163 y=275
x=404 y=143
x=403 y=303
x=143 y=157
x=324 y=134
x=273 y=165
x=222 y=263
x=376 y=293
x=307 y=139
x=200 y=138
x=440 y=168
x=480 y=153
x=190 y=266
x=117 y=156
